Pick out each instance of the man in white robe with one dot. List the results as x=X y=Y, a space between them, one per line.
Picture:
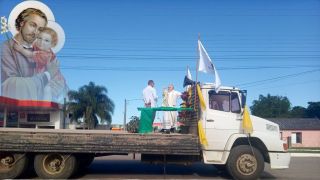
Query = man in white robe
x=170 y=100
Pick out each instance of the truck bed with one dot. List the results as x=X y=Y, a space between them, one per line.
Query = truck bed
x=96 y=141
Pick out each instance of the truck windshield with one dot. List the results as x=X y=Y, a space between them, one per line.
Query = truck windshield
x=219 y=101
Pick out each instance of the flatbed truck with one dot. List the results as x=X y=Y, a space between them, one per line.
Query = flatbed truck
x=59 y=153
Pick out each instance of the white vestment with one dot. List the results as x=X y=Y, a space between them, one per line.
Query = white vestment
x=170 y=117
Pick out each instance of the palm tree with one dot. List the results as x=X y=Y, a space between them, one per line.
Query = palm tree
x=90 y=102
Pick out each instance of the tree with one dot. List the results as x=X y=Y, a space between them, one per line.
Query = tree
x=133 y=125
x=313 y=110
x=271 y=106
x=298 y=112
x=90 y=102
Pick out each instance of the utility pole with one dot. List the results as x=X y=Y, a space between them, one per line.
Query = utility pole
x=125 y=115
x=64 y=113
x=125 y=111
x=5 y=117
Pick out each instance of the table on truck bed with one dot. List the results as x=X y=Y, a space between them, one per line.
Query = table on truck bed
x=148 y=114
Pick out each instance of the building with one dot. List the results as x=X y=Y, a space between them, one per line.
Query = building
x=32 y=114
x=299 y=132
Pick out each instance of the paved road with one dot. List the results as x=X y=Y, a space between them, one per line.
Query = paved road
x=123 y=167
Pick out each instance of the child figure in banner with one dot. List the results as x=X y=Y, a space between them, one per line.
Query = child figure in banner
x=170 y=97
x=41 y=55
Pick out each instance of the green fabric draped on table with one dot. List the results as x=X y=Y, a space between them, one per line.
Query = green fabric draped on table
x=147 y=116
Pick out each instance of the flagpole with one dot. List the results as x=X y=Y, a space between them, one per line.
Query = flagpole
x=197 y=69
x=187 y=70
x=187 y=75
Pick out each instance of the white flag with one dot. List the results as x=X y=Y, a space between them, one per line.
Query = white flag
x=206 y=65
x=189 y=74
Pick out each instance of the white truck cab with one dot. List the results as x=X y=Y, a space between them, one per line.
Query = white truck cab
x=228 y=145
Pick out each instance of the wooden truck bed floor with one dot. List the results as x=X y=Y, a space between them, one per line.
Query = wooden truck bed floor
x=96 y=141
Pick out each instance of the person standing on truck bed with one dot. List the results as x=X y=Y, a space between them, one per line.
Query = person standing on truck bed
x=150 y=95
x=170 y=117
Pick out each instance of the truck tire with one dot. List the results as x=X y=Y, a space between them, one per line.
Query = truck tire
x=55 y=165
x=243 y=165
x=12 y=165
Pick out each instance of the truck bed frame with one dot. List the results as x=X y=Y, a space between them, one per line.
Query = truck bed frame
x=96 y=142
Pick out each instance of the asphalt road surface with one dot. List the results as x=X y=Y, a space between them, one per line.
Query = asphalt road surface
x=123 y=167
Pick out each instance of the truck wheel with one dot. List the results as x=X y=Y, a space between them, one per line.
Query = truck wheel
x=12 y=165
x=242 y=164
x=55 y=165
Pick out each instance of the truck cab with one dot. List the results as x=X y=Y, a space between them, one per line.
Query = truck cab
x=228 y=145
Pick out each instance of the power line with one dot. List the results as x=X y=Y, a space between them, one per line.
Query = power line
x=145 y=69
x=293 y=84
x=256 y=83
x=179 y=58
x=184 y=58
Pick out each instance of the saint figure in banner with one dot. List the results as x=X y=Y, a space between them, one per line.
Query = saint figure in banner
x=29 y=67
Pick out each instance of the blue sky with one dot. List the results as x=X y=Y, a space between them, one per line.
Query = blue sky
x=121 y=44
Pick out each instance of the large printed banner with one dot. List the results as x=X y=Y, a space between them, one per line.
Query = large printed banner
x=29 y=65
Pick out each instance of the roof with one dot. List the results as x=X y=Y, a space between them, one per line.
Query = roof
x=212 y=86
x=297 y=123
x=26 y=105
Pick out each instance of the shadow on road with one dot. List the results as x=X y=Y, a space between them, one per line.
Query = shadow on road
x=129 y=168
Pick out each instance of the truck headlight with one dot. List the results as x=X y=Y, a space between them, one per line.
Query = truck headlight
x=271 y=127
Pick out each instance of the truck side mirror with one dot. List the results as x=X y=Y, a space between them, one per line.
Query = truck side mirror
x=243 y=98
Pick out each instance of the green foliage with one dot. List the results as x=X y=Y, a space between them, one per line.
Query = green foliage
x=278 y=106
x=133 y=125
x=313 y=109
x=90 y=102
x=298 y=112
x=271 y=106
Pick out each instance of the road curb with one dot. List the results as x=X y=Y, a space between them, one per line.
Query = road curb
x=305 y=154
